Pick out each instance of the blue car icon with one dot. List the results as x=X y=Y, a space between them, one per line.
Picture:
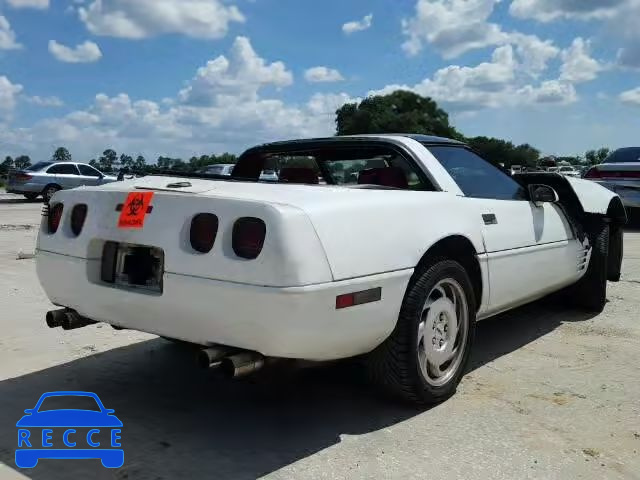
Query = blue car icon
x=85 y=431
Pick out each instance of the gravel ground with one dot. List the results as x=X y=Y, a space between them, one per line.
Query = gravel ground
x=551 y=394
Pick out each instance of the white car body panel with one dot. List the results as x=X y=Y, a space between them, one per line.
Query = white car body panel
x=322 y=241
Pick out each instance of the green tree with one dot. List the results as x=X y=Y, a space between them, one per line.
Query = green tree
x=22 y=162
x=6 y=165
x=126 y=161
x=596 y=157
x=140 y=163
x=61 y=155
x=107 y=160
x=398 y=112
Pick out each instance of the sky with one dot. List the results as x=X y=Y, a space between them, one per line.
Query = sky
x=191 y=77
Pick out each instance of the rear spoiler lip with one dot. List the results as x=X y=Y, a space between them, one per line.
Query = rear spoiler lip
x=203 y=176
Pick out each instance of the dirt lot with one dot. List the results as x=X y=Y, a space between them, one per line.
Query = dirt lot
x=552 y=394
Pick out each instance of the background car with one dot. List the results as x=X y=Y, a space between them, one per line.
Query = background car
x=224 y=169
x=46 y=178
x=569 y=171
x=620 y=173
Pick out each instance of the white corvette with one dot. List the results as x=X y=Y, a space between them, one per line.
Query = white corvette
x=388 y=247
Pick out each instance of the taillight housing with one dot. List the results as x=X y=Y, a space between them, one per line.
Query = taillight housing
x=78 y=216
x=204 y=229
x=248 y=237
x=22 y=177
x=593 y=173
x=55 y=215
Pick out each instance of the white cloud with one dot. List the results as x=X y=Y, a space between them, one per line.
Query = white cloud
x=534 y=53
x=549 y=92
x=7 y=35
x=452 y=27
x=243 y=74
x=548 y=10
x=86 y=52
x=45 y=101
x=146 y=18
x=8 y=95
x=358 y=25
x=322 y=75
x=578 y=66
x=491 y=84
x=41 y=4
x=631 y=97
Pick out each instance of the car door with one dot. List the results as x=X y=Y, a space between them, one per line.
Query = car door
x=66 y=175
x=89 y=175
x=531 y=248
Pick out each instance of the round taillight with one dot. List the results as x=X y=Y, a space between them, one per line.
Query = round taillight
x=248 y=237
x=204 y=228
x=78 y=216
x=55 y=215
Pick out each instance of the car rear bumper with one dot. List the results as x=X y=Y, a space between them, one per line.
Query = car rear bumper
x=629 y=192
x=291 y=322
x=22 y=188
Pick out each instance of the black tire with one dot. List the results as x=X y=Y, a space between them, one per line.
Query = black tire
x=49 y=191
x=590 y=293
x=31 y=196
x=395 y=365
x=616 y=253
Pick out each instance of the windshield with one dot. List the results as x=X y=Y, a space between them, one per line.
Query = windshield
x=39 y=166
x=69 y=402
x=624 y=155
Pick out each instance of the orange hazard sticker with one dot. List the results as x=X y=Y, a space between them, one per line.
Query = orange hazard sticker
x=135 y=208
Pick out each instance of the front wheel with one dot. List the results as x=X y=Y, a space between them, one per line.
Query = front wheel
x=425 y=357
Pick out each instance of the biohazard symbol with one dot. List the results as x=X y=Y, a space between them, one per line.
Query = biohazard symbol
x=135 y=210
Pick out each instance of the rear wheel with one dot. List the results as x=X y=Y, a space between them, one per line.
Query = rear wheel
x=424 y=358
x=49 y=191
x=590 y=292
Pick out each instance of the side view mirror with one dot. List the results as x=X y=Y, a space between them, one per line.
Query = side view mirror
x=29 y=411
x=540 y=194
x=109 y=411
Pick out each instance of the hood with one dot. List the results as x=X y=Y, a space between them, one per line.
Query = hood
x=69 y=418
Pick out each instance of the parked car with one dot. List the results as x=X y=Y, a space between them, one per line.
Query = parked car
x=569 y=171
x=223 y=169
x=620 y=173
x=46 y=178
x=394 y=265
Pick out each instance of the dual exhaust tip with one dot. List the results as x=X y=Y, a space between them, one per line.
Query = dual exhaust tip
x=230 y=364
x=67 y=319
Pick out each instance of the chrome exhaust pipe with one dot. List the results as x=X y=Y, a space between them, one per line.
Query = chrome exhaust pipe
x=242 y=364
x=54 y=318
x=72 y=320
x=211 y=357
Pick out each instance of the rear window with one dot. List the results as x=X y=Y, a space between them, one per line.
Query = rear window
x=39 y=166
x=341 y=165
x=69 y=402
x=624 y=155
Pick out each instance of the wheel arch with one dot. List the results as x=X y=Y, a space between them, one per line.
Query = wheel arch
x=460 y=249
x=51 y=184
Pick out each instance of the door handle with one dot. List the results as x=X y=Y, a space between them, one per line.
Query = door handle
x=489 y=219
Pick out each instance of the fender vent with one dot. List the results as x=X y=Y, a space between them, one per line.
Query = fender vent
x=583 y=257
